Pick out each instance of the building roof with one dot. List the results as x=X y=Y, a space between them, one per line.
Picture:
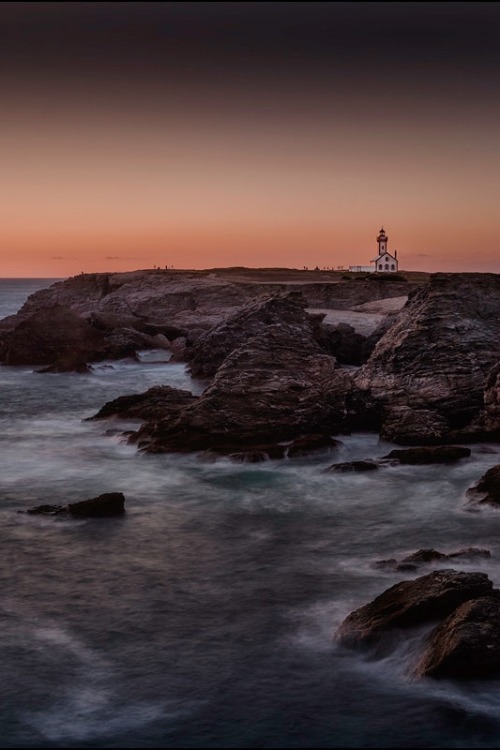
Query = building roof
x=386 y=252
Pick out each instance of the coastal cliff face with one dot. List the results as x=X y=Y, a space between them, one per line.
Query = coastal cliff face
x=426 y=377
x=432 y=377
x=114 y=314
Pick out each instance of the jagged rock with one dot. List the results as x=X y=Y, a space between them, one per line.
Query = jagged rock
x=410 y=603
x=277 y=386
x=440 y=454
x=466 y=645
x=210 y=350
x=108 y=504
x=349 y=466
x=158 y=402
x=487 y=490
x=426 y=375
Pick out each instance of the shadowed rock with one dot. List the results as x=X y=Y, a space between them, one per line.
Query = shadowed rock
x=466 y=645
x=276 y=387
x=487 y=490
x=411 y=603
x=159 y=402
x=440 y=454
x=108 y=504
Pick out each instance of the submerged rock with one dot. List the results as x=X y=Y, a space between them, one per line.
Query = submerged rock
x=440 y=454
x=349 y=466
x=426 y=556
x=410 y=603
x=108 y=504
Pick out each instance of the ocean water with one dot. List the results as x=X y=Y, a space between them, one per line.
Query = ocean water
x=204 y=617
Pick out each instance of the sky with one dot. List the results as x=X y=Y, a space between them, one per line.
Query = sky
x=200 y=135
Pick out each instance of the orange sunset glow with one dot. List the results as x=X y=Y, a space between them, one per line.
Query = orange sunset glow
x=162 y=134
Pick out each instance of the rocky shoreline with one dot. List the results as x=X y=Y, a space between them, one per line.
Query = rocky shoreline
x=284 y=381
x=428 y=375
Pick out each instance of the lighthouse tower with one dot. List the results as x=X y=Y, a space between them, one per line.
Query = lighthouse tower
x=382 y=242
x=385 y=262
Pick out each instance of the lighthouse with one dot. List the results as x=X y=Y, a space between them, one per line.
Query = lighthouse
x=385 y=262
x=382 y=242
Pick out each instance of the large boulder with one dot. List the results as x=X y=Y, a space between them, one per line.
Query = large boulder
x=491 y=415
x=277 y=386
x=466 y=645
x=210 y=350
x=426 y=376
x=411 y=603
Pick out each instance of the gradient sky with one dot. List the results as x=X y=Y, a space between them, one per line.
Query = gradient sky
x=257 y=134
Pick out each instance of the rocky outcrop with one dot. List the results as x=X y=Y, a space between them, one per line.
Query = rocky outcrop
x=440 y=454
x=51 y=334
x=159 y=402
x=411 y=603
x=63 y=340
x=211 y=348
x=426 y=376
x=277 y=386
x=466 y=645
x=487 y=490
x=183 y=303
x=108 y=504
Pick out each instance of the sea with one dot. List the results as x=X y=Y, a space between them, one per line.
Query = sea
x=204 y=618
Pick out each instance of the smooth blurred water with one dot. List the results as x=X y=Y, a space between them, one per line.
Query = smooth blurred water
x=204 y=617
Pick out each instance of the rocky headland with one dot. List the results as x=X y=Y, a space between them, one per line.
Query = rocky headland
x=278 y=362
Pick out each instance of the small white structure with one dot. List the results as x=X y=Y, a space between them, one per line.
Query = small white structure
x=384 y=262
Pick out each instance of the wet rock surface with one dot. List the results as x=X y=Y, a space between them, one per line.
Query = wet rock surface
x=411 y=603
